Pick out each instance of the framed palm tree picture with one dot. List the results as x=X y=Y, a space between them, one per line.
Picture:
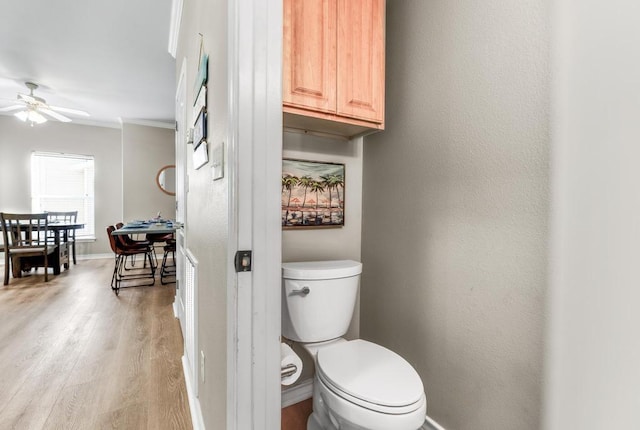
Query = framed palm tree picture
x=312 y=194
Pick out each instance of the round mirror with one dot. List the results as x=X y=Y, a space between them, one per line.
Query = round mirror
x=166 y=179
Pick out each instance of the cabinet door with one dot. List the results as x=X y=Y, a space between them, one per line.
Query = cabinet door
x=309 y=45
x=361 y=36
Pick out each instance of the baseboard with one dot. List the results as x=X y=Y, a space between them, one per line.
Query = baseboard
x=304 y=391
x=297 y=393
x=430 y=424
x=175 y=310
x=94 y=256
x=79 y=257
x=194 y=403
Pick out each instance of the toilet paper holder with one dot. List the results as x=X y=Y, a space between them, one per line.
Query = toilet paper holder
x=288 y=370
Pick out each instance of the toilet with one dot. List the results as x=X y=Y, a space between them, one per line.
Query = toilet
x=358 y=384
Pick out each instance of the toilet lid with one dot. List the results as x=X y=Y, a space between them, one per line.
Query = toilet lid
x=371 y=373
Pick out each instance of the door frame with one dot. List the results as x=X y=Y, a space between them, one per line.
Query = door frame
x=254 y=154
x=181 y=189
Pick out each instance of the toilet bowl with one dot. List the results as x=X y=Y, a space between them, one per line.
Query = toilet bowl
x=358 y=384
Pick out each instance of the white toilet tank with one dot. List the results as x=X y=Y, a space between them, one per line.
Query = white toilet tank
x=318 y=298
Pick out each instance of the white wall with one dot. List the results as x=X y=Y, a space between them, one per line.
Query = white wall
x=18 y=140
x=207 y=223
x=594 y=348
x=455 y=207
x=145 y=150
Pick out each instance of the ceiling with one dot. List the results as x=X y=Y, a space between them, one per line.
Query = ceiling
x=108 y=58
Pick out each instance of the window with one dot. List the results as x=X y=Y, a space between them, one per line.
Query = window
x=64 y=182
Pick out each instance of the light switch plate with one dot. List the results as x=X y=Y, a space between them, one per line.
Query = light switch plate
x=217 y=159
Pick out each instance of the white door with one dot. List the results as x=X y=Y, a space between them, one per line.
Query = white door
x=255 y=164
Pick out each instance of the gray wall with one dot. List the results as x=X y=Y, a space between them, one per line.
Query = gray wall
x=334 y=243
x=207 y=223
x=145 y=150
x=455 y=206
x=18 y=140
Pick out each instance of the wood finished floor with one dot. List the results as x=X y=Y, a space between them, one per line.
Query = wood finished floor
x=75 y=356
x=295 y=417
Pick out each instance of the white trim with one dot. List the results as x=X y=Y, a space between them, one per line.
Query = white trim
x=96 y=123
x=79 y=257
x=174 y=27
x=232 y=287
x=85 y=239
x=147 y=123
x=430 y=424
x=176 y=314
x=94 y=256
x=255 y=160
x=298 y=393
x=194 y=403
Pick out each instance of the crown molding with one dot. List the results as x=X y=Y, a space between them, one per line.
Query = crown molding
x=148 y=123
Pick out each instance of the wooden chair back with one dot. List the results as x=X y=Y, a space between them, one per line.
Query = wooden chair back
x=24 y=235
x=67 y=217
x=24 y=231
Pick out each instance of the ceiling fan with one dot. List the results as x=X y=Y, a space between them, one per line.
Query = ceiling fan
x=31 y=108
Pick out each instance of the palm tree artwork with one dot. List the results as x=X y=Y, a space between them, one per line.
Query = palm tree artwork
x=288 y=183
x=302 y=179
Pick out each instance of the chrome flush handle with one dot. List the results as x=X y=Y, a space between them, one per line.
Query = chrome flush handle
x=303 y=292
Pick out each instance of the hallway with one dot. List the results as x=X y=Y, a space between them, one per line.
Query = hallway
x=75 y=356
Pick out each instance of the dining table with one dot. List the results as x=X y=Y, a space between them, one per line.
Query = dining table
x=60 y=231
x=147 y=227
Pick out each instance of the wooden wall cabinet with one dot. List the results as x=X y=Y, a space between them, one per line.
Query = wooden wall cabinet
x=333 y=71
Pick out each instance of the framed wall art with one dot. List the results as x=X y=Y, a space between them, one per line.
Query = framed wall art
x=312 y=194
x=200 y=128
x=200 y=155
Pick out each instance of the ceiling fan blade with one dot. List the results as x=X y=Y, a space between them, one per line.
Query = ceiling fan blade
x=10 y=108
x=55 y=115
x=26 y=98
x=68 y=110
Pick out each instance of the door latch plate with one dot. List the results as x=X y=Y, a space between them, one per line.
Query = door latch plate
x=243 y=261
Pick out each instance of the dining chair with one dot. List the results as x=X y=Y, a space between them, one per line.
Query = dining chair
x=167 y=271
x=154 y=238
x=127 y=240
x=122 y=251
x=25 y=235
x=70 y=217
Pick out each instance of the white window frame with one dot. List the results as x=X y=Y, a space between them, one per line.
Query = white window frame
x=86 y=214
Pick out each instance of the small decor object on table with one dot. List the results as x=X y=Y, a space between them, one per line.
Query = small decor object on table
x=312 y=194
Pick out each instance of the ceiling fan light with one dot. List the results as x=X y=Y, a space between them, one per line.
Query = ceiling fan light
x=32 y=116
x=36 y=117
x=22 y=115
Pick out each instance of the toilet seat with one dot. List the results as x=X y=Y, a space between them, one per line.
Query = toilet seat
x=371 y=376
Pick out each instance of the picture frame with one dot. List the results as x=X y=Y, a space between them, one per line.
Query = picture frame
x=200 y=155
x=312 y=194
x=200 y=103
x=200 y=128
x=202 y=76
